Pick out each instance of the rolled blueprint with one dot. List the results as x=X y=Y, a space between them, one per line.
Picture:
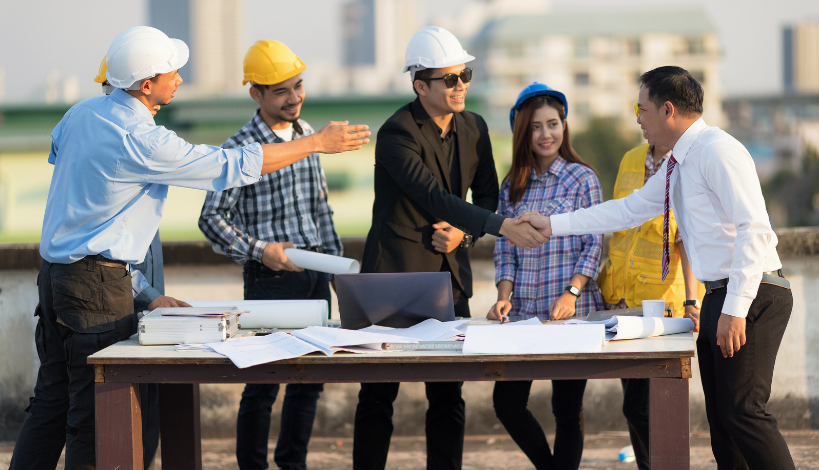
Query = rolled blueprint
x=285 y=314
x=321 y=262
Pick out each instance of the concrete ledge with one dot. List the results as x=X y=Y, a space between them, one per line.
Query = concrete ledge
x=793 y=243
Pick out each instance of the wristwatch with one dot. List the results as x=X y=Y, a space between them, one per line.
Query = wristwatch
x=695 y=303
x=572 y=290
x=466 y=242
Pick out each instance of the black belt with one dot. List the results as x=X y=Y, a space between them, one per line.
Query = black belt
x=99 y=260
x=771 y=277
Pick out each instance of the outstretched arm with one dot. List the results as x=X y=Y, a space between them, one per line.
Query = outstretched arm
x=334 y=137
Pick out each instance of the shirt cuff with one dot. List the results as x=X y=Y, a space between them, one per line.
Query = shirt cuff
x=148 y=295
x=493 y=224
x=257 y=249
x=561 y=224
x=736 y=306
x=252 y=161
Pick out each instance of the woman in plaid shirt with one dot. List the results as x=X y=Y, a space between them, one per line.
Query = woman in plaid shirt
x=554 y=281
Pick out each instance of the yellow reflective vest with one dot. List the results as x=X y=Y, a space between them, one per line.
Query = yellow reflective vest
x=635 y=265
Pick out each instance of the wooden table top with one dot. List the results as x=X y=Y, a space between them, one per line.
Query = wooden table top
x=660 y=347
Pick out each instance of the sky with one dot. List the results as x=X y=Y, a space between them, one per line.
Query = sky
x=61 y=43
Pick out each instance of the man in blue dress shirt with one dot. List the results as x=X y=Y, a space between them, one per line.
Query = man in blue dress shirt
x=112 y=169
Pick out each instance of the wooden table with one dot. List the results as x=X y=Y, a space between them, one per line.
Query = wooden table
x=665 y=360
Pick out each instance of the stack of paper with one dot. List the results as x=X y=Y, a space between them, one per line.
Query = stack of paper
x=428 y=330
x=251 y=351
x=285 y=314
x=631 y=327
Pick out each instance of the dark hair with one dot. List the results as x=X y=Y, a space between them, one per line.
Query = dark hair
x=423 y=75
x=261 y=88
x=523 y=159
x=674 y=84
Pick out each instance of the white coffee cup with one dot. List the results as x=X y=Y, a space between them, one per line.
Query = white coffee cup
x=654 y=308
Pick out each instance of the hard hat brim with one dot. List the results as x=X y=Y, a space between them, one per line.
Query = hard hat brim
x=182 y=54
x=421 y=63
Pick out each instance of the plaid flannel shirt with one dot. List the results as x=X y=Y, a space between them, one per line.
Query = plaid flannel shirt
x=541 y=275
x=287 y=205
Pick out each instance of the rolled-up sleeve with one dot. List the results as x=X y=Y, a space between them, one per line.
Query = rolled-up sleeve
x=504 y=256
x=160 y=156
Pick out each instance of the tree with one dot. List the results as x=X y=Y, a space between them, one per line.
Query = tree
x=602 y=145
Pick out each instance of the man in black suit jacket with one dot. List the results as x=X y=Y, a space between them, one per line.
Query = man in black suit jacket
x=427 y=155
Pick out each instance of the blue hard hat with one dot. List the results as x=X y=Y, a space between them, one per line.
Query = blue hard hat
x=536 y=89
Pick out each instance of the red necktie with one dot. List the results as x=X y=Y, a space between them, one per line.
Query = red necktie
x=671 y=164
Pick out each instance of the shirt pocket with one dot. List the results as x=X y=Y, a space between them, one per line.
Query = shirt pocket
x=547 y=207
x=701 y=213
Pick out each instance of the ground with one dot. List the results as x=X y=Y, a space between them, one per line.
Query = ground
x=496 y=452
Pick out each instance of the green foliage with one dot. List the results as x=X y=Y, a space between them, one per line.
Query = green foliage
x=602 y=145
x=791 y=197
x=337 y=180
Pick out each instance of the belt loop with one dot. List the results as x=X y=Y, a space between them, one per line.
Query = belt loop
x=90 y=263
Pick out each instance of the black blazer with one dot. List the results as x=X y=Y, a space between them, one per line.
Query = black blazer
x=412 y=192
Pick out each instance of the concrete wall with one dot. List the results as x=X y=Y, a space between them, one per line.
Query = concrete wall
x=193 y=272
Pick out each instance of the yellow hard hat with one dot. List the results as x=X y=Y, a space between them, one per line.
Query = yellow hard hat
x=100 y=78
x=271 y=62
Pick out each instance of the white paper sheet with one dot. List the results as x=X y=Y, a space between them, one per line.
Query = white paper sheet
x=428 y=330
x=533 y=339
x=285 y=314
x=322 y=262
x=246 y=352
x=528 y=321
x=194 y=311
x=327 y=338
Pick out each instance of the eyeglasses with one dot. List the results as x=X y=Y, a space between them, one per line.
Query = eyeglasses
x=637 y=110
x=451 y=79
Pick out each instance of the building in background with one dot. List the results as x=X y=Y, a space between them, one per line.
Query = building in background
x=595 y=57
x=800 y=57
x=375 y=34
x=214 y=32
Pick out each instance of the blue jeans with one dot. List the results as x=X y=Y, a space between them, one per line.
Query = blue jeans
x=299 y=406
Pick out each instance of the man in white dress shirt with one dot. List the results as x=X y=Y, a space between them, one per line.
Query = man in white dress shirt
x=711 y=184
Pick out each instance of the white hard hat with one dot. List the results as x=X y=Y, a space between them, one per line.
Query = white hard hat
x=143 y=52
x=433 y=48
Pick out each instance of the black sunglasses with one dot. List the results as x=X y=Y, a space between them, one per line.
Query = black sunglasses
x=451 y=79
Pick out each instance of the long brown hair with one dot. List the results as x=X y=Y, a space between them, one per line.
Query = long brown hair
x=523 y=159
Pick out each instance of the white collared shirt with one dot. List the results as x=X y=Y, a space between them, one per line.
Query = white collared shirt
x=720 y=211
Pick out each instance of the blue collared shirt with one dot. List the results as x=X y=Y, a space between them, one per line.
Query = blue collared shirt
x=112 y=169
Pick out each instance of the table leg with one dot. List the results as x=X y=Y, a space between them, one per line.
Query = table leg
x=669 y=442
x=179 y=427
x=118 y=426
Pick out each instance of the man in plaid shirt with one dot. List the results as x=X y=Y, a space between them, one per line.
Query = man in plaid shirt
x=252 y=225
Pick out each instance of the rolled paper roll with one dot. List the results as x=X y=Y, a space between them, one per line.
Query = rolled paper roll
x=321 y=262
x=285 y=314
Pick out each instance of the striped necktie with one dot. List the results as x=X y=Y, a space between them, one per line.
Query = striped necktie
x=671 y=164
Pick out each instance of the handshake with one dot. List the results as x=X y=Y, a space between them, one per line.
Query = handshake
x=527 y=231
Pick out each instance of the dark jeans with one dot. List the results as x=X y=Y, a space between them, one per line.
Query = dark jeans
x=299 y=404
x=84 y=307
x=635 y=409
x=149 y=407
x=444 y=424
x=511 y=399
x=737 y=389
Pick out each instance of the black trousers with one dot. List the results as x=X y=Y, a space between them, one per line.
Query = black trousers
x=445 y=418
x=511 y=407
x=84 y=307
x=635 y=409
x=737 y=389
